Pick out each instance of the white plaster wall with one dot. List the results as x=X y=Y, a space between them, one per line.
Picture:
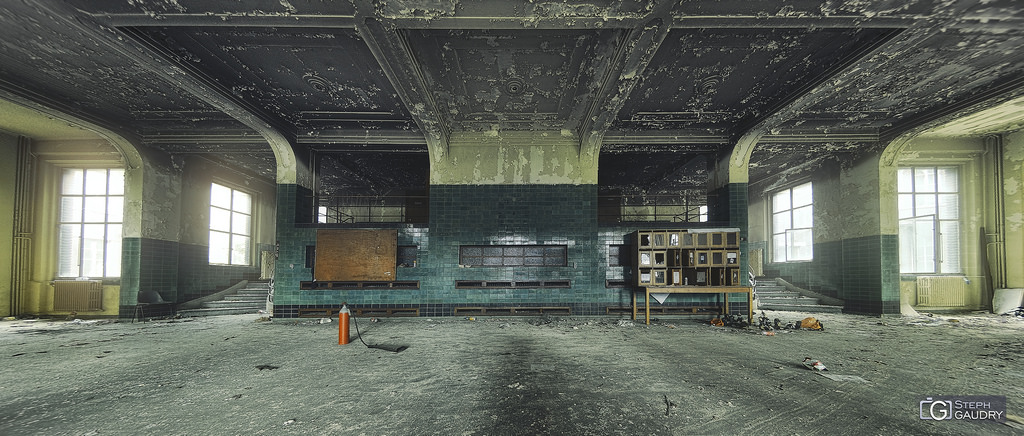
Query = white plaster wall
x=829 y=210
x=861 y=185
x=197 y=175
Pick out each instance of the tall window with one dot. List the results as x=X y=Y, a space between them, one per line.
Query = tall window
x=91 y=214
x=792 y=224
x=929 y=211
x=230 y=226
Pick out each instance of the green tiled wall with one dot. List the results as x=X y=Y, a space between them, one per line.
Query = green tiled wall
x=871 y=275
x=863 y=272
x=179 y=272
x=479 y=215
x=130 y=274
x=292 y=240
x=823 y=274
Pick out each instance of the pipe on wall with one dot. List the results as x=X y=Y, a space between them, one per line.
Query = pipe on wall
x=995 y=247
x=22 y=259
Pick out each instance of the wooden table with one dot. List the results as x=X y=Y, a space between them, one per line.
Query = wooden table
x=724 y=290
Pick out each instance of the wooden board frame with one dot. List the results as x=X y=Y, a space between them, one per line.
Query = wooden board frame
x=356 y=255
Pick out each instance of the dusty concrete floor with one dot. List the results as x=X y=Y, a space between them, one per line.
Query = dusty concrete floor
x=570 y=376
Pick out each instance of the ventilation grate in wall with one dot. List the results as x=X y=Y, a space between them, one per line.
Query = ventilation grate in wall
x=507 y=284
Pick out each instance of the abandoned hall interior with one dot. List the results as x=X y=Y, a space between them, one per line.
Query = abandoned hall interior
x=471 y=157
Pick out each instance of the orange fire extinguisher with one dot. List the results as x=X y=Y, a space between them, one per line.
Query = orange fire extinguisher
x=343 y=316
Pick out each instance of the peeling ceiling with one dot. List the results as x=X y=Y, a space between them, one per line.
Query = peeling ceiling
x=371 y=87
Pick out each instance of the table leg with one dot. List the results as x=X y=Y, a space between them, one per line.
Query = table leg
x=725 y=295
x=647 y=304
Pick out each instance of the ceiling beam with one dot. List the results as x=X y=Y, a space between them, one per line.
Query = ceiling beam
x=392 y=52
x=229 y=19
x=527 y=20
x=632 y=56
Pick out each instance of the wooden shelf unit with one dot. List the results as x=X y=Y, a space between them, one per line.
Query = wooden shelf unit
x=689 y=261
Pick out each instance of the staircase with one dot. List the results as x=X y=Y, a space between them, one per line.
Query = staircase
x=772 y=295
x=250 y=299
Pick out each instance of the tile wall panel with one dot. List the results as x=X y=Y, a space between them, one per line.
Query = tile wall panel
x=863 y=272
x=481 y=215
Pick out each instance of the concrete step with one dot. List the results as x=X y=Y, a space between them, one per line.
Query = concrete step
x=250 y=294
x=773 y=296
x=818 y=308
x=250 y=301
x=796 y=301
x=781 y=294
x=246 y=297
x=258 y=285
x=228 y=304
x=218 y=311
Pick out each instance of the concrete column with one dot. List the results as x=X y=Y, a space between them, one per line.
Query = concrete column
x=870 y=237
x=728 y=200
x=149 y=258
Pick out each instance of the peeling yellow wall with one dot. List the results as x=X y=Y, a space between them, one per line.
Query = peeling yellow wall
x=1013 y=205
x=51 y=158
x=491 y=158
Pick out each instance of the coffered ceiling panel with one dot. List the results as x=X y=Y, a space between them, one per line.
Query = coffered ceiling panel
x=521 y=80
x=719 y=80
x=309 y=78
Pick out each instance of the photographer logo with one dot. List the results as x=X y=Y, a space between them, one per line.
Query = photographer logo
x=963 y=408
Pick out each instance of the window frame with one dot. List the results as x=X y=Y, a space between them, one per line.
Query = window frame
x=939 y=241
x=251 y=214
x=788 y=234
x=508 y=256
x=111 y=243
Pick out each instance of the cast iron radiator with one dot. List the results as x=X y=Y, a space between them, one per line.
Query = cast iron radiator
x=941 y=291
x=77 y=295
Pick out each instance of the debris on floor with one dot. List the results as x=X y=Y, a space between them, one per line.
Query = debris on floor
x=267 y=367
x=626 y=323
x=814 y=364
x=811 y=323
x=668 y=405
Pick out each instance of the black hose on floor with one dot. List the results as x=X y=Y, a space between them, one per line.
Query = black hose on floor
x=385 y=347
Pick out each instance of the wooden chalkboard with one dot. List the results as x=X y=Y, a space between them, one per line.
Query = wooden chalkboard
x=355 y=255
